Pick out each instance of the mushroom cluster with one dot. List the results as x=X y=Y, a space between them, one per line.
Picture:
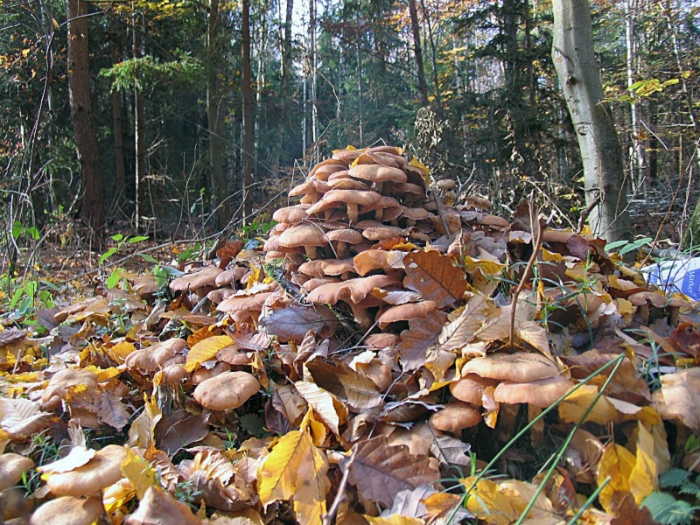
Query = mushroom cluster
x=337 y=242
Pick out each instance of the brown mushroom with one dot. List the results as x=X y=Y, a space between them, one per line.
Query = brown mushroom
x=12 y=466
x=541 y=393
x=59 y=384
x=470 y=388
x=378 y=175
x=68 y=511
x=158 y=506
x=103 y=470
x=197 y=281
x=306 y=235
x=343 y=237
x=150 y=358
x=352 y=199
x=521 y=367
x=226 y=391
x=405 y=312
x=455 y=417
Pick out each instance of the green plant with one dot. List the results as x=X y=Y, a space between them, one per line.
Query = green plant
x=627 y=246
x=185 y=492
x=115 y=277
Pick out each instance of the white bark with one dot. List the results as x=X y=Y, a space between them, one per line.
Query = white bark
x=574 y=60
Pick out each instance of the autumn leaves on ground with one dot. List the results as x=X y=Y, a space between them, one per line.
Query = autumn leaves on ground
x=389 y=353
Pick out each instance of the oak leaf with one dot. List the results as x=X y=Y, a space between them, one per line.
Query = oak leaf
x=381 y=471
x=435 y=277
x=296 y=470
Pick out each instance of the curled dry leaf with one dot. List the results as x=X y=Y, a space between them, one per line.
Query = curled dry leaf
x=381 y=471
x=435 y=277
x=159 y=506
x=679 y=398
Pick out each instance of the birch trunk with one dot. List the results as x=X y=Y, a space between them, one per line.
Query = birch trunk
x=575 y=63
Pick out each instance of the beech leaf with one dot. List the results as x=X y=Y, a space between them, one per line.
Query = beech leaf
x=679 y=398
x=357 y=390
x=435 y=277
x=322 y=403
x=295 y=469
x=381 y=471
x=421 y=335
x=293 y=322
x=112 y=411
x=205 y=350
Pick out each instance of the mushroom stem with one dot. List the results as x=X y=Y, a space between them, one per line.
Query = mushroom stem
x=341 y=249
x=361 y=316
x=311 y=252
x=353 y=212
x=537 y=430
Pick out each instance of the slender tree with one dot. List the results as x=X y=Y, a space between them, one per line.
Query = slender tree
x=81 y=113
x=248 y=118
x=575 y=63
x=418 y=53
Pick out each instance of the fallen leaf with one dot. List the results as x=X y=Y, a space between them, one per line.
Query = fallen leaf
x=112 y=411
x=381 y=471
x=179 y=429
x=322 y=403
x=486 y=502
x=420 y=336
x=679 y=398
x=294 y=322
x=205 y=350
x=357 y=390
x=139 y=472
x=295 y=469
x=615 y=464
x=435 y=277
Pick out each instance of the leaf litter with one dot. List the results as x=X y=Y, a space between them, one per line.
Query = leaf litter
x=361 y=377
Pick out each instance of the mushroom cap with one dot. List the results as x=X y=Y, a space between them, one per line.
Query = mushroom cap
x=60 y=383
x=542 y=393
x=446 y=184
x=12 y=466
x=377 y=173
x=386 y=149
x=347 y=235
x=335 y=267
x=226 y=391
x=343 y=181
x=382 y=204
x=314 y=283
x=347 y=155
x=291 y=214
x=305 y=234
x=381 y=233
x=103 y=470
x=494 y=221
x=417 y=214
x=470 y=388
x=326 y=168
x=455 y=417
x=220 y=294
x=194 y=281
x=243 y=303
x=175 y=374
x=158 y=506
x=309 y=187
x=405 y=312
x=202 y=374
x=68 y=511
x=312 y=268
x=362 y=197
x=352 y=290
x=521 y=367
x=151 y=357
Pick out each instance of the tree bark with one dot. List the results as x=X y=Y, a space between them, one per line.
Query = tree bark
x=139 y=135
x=575 y=63
x=248 y=122
x=418 y=51
x=216 y=113
x=92 y=208
x=118 y=127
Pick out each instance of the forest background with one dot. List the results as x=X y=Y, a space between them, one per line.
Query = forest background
x=198 y=115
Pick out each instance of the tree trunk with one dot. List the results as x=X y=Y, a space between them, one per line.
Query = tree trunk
x=118 y=128
x=418 y=51
x=81 y=112
x=312 y=65
x=691 y=239
x=139 y=135
x=574 y=60
x=248 y=124
x=216 y=113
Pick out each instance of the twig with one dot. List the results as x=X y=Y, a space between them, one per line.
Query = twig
x=329 y=517
x=585 y=213
x=536 y=228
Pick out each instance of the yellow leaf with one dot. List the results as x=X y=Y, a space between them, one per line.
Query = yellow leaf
x=103 y=374
x=319 y=431
x=395 y=519
x=322 y=403
x=119 y=352
x=418 y=164
x=115 y=496
x=205 y=350
x=487 y=503
x=138 y=471
x=143 y=427
x=617 y=464
x=572 y=409
x=644 y=475
x=295 y=469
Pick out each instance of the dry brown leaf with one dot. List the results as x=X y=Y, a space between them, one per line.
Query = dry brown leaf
x=420 y=336
x=370 y=260
x=179 y=429
x=357 y=390
x=679 y=398
x=21 y=418
x=294 y=322
x=459 y=332
x=435 y=277
x=322 y=403
x=381 y=471
x=112 y=411
x=141 y=432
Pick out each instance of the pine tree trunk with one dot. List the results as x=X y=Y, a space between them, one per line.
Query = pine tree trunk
x=604 y=180
x=216 y=113
x=118 y=128
x=139 y=136
x=418 y=51
x=81 y=113
x=248 y=122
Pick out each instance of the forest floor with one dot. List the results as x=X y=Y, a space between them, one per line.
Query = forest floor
x=561 y=394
